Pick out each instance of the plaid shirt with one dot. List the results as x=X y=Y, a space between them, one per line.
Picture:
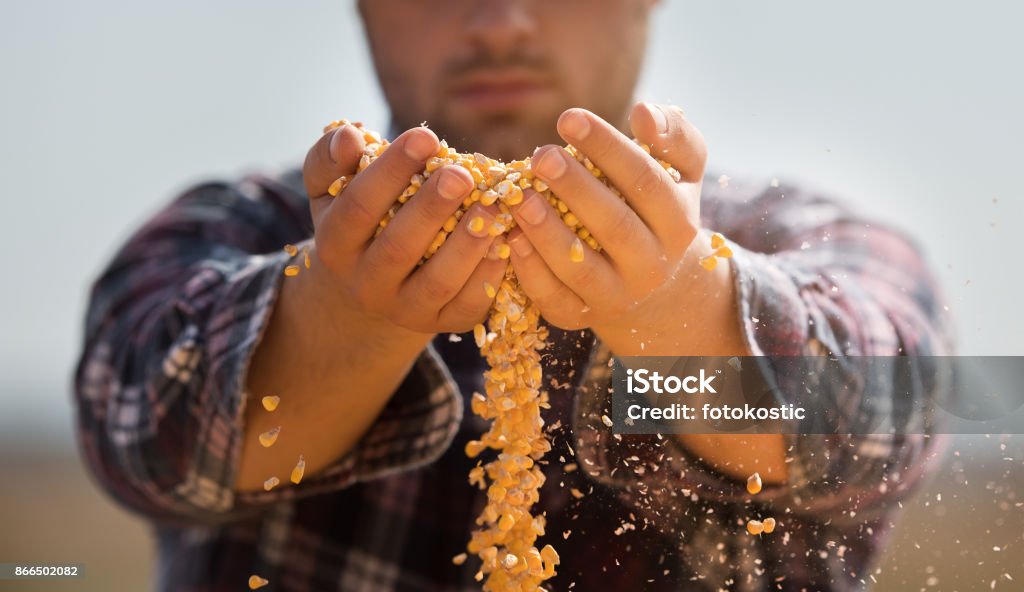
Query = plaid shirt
x=174 y=320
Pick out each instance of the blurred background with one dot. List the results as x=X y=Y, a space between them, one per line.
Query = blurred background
x=911 y=110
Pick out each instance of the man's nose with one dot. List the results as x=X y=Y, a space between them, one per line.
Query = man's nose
x=499 y=26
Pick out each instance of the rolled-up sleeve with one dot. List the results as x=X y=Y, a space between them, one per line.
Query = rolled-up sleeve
x=811 y=279
x=172 y=325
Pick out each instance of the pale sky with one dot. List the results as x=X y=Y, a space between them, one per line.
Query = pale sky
x=910 y=109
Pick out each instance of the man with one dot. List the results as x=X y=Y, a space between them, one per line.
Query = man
x=193 y=323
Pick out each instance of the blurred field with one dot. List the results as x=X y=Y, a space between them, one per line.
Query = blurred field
x=965 y=532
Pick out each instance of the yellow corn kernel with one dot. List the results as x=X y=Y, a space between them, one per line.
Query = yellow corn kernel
x=337 y=186
x=480 y=334
x=474 y=448
x=305 y=257
x=717 y=240
x=571 y=220
x=576 y=251
x=268 y=437
x=292 y=250
x=476 y=224
x=271 y=483
x=270 y=402
x=754 y=484
x=256 y=582
x=506 y=522
x=769 y=525
x=299 y=470
x=755 y=527
x=459 y=559
x=724 y=252
x=291 y=270
x=449 y=224
x=709 y=263
x=489 y=290
x=504 y=251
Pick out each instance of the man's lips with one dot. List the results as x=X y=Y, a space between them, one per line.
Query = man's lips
x=493 y=91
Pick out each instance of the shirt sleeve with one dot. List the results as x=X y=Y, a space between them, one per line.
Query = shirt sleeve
x=810 y=278
x=171 y=327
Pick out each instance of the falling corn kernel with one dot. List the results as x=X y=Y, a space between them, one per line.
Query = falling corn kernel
x=298 y=471
x=709 y=263
x=271 y=483
x=459 y=559
x=292 y=250
x=724 y=252
x=754 y=484
x=489 y=290
x=506 y=522
x=305 y=257
x=256 y=582
x=717 y=240
x=291 y=270
x=607 y=420
x=755 y=527
x=480 y=335
x=268 y=437
x=769 y=525
x=270 y=402
x=474 y=448
x=576 y=251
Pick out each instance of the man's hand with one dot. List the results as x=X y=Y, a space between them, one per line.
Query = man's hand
x=646 y=238
x=379 y=276
x=645 y=293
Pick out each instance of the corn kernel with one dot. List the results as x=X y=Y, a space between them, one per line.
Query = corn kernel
x=476 y=224
x=576 y=251
x=268 y=437
x=298 y=471
x=755 y=527
x=769 y=525
x=717 y=240
x=305 y=257
x=489 y=290
x=270 y=402
x=292 y=250
x=271 y=483
x=506 y=522
x=754 y=484
x=459 y=559
x=337 y=186
x=724 y=251
x=504 y=251
x=291 y=270
x=256 y=582
x=709 y=263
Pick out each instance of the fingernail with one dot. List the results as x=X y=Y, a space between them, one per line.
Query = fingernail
x=660 y=121
x=521 y=246
x=452 y=185
x=551 y=164
x=575 y=124
x=533 y=209
x=336 y=141
x=419 y=145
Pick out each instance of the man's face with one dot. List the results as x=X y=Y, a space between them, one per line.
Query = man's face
x=494 y=75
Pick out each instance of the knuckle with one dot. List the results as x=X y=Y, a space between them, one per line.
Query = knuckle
x=622 y=230
x=353 y=212
x=435 y=290
x=648 y=179
x=388 y=251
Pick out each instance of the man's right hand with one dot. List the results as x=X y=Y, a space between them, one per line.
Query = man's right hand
x=379 y=276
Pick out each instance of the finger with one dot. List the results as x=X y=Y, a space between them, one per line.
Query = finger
x=473 y=302
x=645 y=184
x=556 y=301
x=335 y=154
x=357 y=210
x=593 y=279
x=395 y=252
x=612 y=222
x=672 y=138
x=440 y=279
